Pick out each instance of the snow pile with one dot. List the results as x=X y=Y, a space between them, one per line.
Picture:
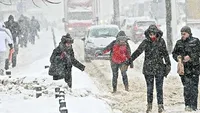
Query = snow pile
x=18 y=95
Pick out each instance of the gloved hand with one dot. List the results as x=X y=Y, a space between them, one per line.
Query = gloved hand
x=98 y=53
x=127 y=62
x=63 y=55
x=82 y=68
x=131 y=65
x=11 y=46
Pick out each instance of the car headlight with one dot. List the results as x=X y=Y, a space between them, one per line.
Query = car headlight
x=70 y=28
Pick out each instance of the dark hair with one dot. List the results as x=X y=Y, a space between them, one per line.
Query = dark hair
x=67 y=39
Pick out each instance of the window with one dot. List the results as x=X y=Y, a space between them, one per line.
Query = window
x=103 y=32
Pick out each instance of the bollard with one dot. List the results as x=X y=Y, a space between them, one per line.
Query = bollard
x=63 y=110
x=38 y=91
x=62 y=104
x=60 y=99
x=57 y=90
x=61 y=90
x=62 y=95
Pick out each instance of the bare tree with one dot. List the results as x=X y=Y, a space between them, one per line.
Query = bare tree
x=44 y=1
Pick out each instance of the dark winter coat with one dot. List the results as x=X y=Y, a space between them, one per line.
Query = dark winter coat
x=35 y=26
x=14 y=29
x=190 y=47
x=63 y=63
x=155 y=52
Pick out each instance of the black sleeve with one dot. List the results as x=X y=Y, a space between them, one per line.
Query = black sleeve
x=165 y=53
x=109 y=47
x=75 y=62
x=138 y=51
x=175 y=52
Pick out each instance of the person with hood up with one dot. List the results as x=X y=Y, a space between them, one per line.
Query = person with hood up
x=119 y=52
x=154 y=67
x=14 y=28
x=62 y=60
x=187 y=49
x=5 y=38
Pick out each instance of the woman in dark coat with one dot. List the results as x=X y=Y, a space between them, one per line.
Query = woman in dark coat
x=154 y=67
x=62 y=60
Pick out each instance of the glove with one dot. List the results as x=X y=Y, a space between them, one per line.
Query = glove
x=98 y=53
x=127 y=62
x=11 y=46
x=82 y=68
x=167 y=70
x=131 y=65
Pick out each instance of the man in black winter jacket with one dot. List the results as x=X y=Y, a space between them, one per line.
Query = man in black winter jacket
x=14 y=28
x=62 y=60
x=188 y=48
x=154 y=67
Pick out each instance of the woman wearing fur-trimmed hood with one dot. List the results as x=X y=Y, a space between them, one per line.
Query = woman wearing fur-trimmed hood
x=154 y=67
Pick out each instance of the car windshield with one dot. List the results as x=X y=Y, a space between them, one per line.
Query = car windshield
x=145 y=23
x=103 y=32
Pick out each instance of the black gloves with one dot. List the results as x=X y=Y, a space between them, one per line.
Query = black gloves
x=11 y=46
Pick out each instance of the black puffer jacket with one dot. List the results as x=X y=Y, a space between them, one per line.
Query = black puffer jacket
x=190 y=47
x=154 y=53
x=68 y=61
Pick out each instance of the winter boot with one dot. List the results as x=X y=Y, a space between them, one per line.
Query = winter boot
x=126 y=88
x=114 y=89
x=187 y=108
x=149 y=108
x=160 y=108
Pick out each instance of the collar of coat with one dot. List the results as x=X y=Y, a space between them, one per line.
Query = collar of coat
x=63 y=47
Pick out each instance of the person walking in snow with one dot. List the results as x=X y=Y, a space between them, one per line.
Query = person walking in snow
x=119 y=52
x=154 y=67
x=14 y=28
x=62 y=60
x=35 y=27
x=5 y=38
x=187 y=49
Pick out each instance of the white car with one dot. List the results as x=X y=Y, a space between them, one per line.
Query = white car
x=98 y=37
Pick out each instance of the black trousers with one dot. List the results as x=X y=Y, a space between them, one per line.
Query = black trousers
x=190 y=84
x=68 y=77
x=150 y=86
x=115 y=68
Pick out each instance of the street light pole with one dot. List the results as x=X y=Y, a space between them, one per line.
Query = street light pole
x=168 y=25
x=116 y=17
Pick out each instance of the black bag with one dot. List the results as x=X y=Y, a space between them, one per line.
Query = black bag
x=57 y=70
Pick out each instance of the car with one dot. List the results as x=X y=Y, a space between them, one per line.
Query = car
x=96 y=38
x=139 y=28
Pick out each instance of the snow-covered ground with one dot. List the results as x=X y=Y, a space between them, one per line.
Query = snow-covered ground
x=17 y=94
x=91 y=89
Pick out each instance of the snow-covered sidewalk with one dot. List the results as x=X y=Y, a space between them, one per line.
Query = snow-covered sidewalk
x=17 y=94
